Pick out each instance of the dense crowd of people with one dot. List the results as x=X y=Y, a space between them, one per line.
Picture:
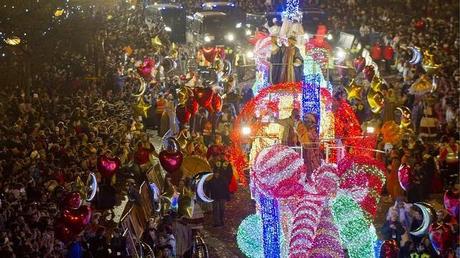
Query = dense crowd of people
x=57 y=132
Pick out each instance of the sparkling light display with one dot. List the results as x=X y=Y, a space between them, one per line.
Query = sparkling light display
x=270 y=226
x=249 y=236
x=327 y=241
x=353 y=227
x=292 y=9
x=311 y=99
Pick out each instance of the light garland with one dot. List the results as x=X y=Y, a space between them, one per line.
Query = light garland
x=353 y=227
x=270 y=226
x=249 y=236
x=311 y=98
x=292 y=10
x=327 y=241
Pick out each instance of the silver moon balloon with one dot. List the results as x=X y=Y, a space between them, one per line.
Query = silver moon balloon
x=416 y=56
x=199 y=188
x=426 y=213
x=91 y=184
x=141 y=88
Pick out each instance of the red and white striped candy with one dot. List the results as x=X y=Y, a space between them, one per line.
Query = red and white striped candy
x=278 y=171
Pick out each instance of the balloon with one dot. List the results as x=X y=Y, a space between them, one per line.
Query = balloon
x=171 y=161
x=183 y=95
x=63 y=232
x=203 y=96
x=420 y=25
x=389 y=249
x=452 y=203
x=375 y=100
x=376 y=83
x=186 y=205
x=73 y=200
x=421 y=86
x=416 y=56
x=192 y=105
x=183 y=115
x=440 y=236
x=108 y=166
x=141 y=108
x=405 y=116
x=369 y=72
x=428 y=63
x=171 y=158
x=141 y=156
x=403 y=176
x=76 y=220
x=216 y=102
x=353 y=90
x=388 y=53
x=391 y=132
x=209 y=53
x=145 y=70
x=376 y=52
x=359 y=64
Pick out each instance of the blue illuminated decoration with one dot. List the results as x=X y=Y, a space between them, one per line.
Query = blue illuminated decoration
x=311 y=98
x=271 y=226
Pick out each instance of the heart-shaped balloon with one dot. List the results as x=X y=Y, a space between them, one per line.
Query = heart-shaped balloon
x=216 y=103
x=192 y=105
x=452 y=203
x=420 y=25
x=359 y=64
x=369 y=72
x=203 y=96
x=403 y=176
x=440 y=236
x=142 y=155
x=210 y=53
x=76 y=220
x=171 y=161
x=108 y=166
x=183 y=115
x=145 y=69
x=73 y=200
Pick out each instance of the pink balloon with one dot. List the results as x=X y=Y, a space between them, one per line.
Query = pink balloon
x=403 y=176
x=108 y=166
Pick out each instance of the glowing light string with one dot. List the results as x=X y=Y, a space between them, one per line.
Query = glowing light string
x=271 y=226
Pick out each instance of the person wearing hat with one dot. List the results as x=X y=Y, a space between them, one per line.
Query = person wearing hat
x=292 y=70
x=276 y=60
x=308 y=137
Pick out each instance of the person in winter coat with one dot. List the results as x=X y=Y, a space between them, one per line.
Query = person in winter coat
x=219 y=193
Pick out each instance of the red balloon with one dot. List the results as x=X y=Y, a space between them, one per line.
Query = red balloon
x=369 y=72
x=420 y=25
x=209 y=53
x=359 y=64
x=183 y=115
x=145 y=69
x=389 y=249
x=73 y=200
x=192 y=105
x=62 y=232
x=76 y=220
x=216 y=103
x=171 y=161
x=203 y=96
x=108 y=166
x=141 y=156
x=440 y=237
x=376 y=52
x=388 y=53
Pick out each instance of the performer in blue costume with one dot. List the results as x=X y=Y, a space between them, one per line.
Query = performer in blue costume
x=276 y=60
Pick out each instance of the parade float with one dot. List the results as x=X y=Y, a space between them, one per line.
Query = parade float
x=300 y=211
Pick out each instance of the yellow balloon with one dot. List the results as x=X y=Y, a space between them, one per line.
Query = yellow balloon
x=353 y=90
x=156 y=41
x=428 y=63
x=183 y=95
x=376 y=83
x=186 y=204
x=391 y=132
x=141 y=108
x=375 y=100
x=406 y=120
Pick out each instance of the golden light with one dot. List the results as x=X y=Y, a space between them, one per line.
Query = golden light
x=12 y=41
x=59 y=12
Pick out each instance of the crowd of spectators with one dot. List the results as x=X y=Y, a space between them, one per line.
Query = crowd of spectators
x=55 y=134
